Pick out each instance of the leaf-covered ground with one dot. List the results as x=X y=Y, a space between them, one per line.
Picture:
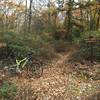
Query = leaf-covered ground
x=61 y=80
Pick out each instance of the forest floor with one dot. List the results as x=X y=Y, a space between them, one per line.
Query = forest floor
x=61 y=80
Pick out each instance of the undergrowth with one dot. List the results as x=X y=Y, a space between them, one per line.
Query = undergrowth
x=8 y=91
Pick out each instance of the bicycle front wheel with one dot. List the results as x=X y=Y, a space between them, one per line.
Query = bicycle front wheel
x=36 y=71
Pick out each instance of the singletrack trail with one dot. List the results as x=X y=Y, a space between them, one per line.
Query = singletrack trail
x=53 y=82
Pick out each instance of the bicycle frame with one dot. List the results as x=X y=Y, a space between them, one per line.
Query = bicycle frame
x=23 y=62
x=20 y=64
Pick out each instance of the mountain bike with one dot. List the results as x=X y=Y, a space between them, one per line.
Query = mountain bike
x=32 y=67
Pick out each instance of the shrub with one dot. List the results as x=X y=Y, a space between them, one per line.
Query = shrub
x=84 y=51
x=15 y=44
x=21 y=44
x=89 y=33
x=8 y=91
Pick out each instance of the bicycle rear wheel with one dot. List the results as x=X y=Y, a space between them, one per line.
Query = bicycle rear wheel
x=36 y=71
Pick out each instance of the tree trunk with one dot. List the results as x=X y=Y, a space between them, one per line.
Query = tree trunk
x=69 y=24
x=98 y=20
x=25 y=27
x=30 y=15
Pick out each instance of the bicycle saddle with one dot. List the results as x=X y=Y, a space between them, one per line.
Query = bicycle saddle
x=30 y=55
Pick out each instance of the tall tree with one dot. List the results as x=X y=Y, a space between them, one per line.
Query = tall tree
x=69 y=19
x=30 y=15
x=25 y=27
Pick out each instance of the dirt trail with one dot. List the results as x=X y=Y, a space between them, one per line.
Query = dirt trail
x=56 y=66
x=53 y=82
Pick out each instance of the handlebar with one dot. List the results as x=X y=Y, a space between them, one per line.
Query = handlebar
x=30 y=56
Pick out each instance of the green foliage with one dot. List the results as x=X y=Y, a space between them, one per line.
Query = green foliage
x=96 y=47
x=90 y=33
x=76 y=32
x=84 y=51
x=8 y=91
x=21 y=44
x=15 y=44
x=76 y=35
